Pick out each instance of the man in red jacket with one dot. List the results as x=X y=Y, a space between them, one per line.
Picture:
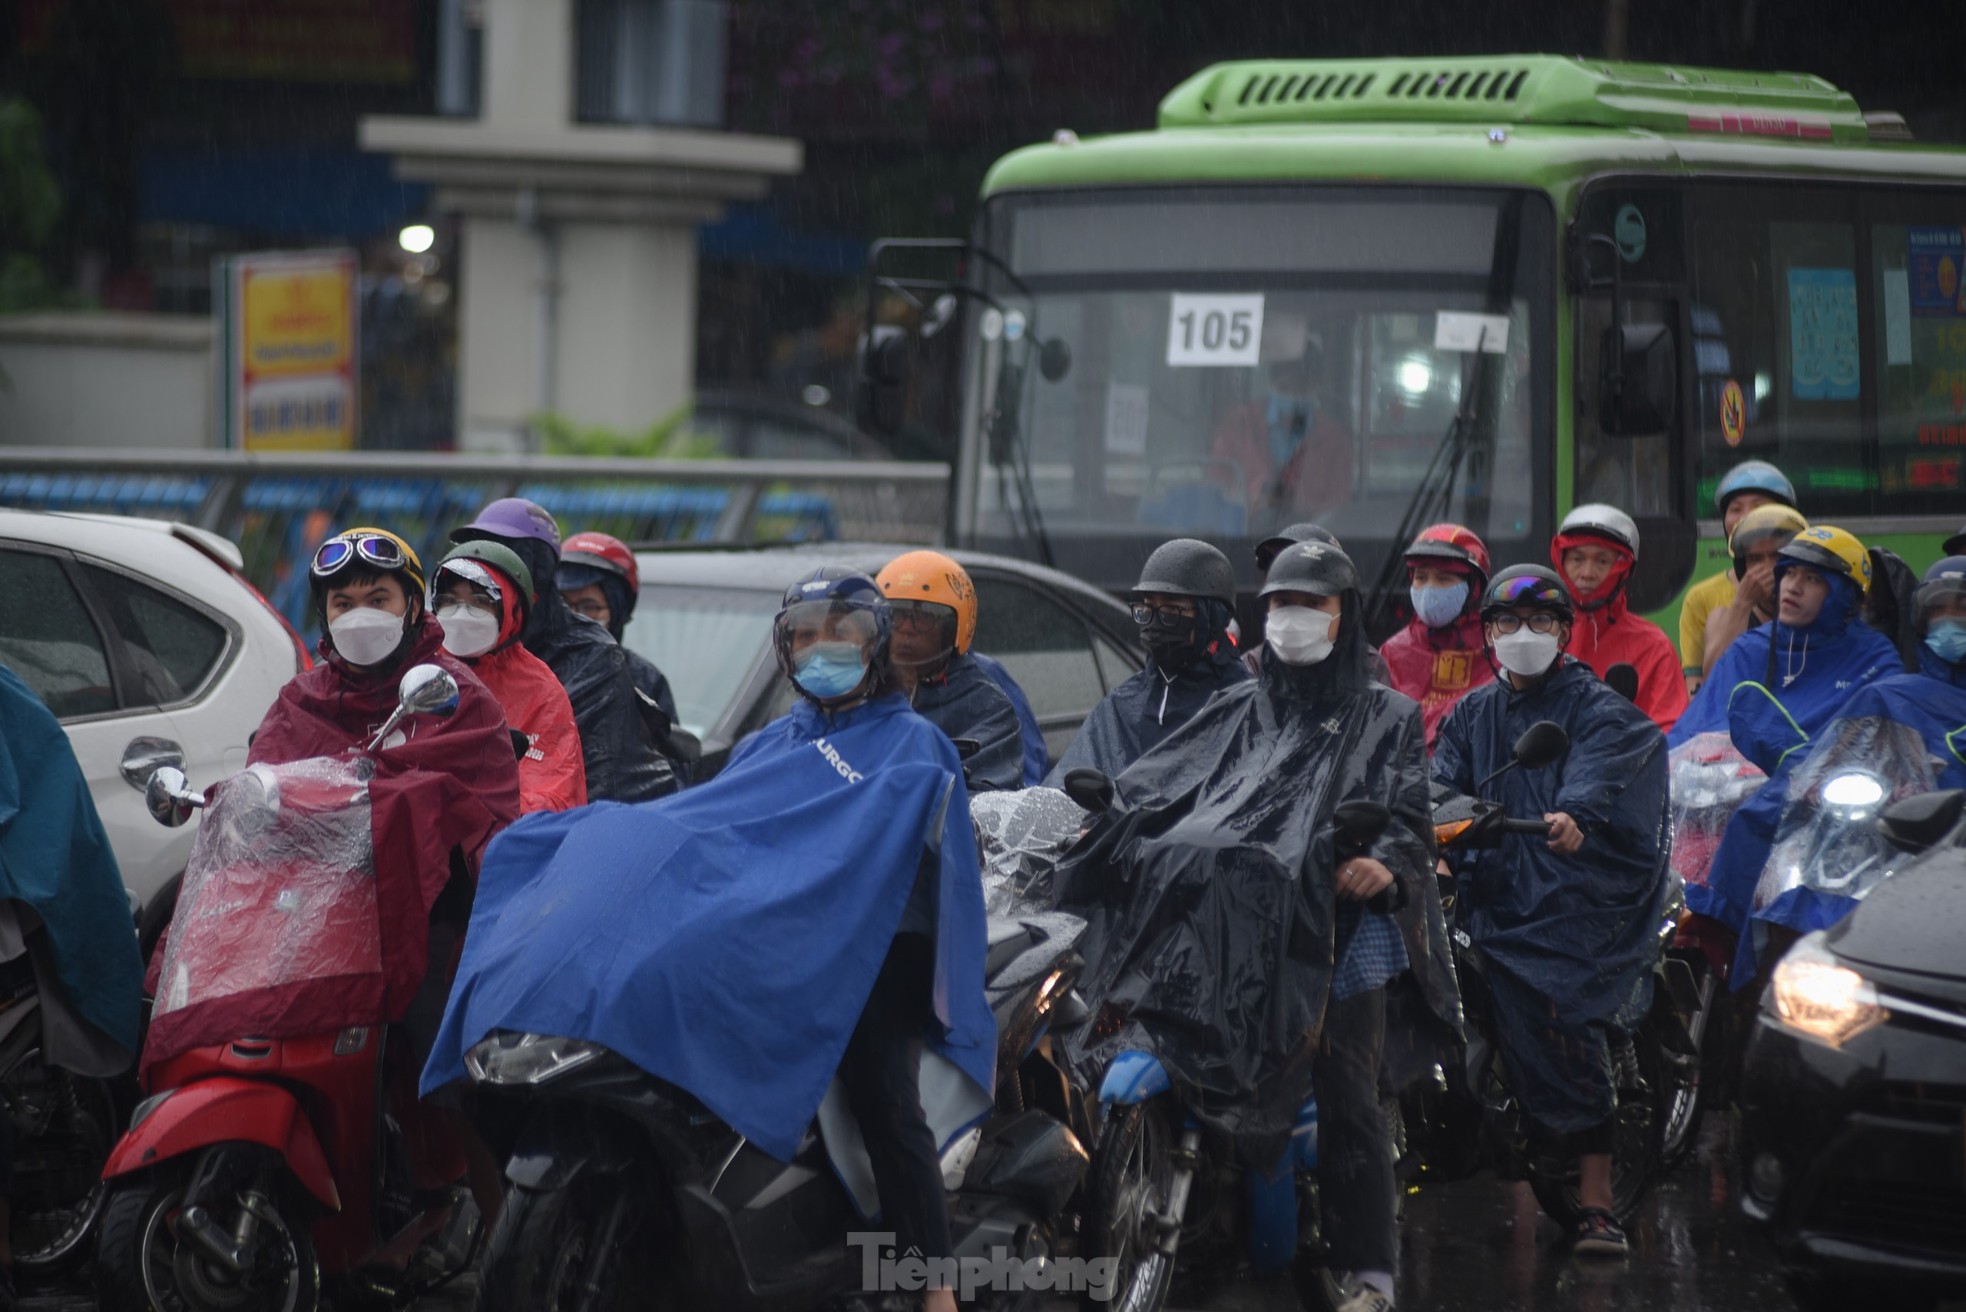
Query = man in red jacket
x=1438 y=658
x=1594 y=550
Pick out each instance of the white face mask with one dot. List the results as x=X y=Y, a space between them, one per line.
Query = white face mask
x=1524 y=653
x=1298 y=634
x=366 y=635
x=468 y=631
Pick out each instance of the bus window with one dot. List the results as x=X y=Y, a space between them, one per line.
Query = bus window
x=1918 y=291
x=1775 y=324
x=1632 y=472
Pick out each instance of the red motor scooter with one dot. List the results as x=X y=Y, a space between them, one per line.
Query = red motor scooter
x=256 y=1167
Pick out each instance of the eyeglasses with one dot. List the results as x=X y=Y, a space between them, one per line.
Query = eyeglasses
x=336 y=554
x=593 y=610
x=1540 y=622
x=1143 y=614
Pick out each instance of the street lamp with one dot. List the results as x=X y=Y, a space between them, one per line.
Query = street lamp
x=417 y=238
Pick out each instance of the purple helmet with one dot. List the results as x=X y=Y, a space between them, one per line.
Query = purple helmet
x=511 y=519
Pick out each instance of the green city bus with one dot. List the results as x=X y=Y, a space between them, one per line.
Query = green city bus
x=1476 y=289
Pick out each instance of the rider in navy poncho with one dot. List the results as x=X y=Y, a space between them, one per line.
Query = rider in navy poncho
x=1773 y=690
x=836 y=846
x=1184 y=603
x=1908 y=731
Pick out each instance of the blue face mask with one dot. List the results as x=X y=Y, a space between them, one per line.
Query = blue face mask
x=1439 y=607
x=1947 y=639
x=830 y=669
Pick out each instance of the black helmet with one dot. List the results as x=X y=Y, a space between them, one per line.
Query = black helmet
x=1527 y=585
x=1267 y=549
x=1313 y=567
x=1189 y=567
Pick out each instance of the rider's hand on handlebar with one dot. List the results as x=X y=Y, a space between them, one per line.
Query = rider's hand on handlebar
x=1565 y=836
x=1361 y=878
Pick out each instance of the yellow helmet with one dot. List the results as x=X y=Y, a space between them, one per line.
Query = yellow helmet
x=1832 y=550
x=374 y=548
x=1769 y=521
x=931 y=578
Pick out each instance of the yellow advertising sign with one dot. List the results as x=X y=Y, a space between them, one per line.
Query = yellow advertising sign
x=291 y=326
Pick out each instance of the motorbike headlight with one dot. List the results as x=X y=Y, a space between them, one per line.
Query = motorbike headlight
x=527 y=1058
x=1819 y=996
x=1854 y=794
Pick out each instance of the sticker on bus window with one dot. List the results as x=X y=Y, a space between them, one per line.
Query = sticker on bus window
x=1126 y=419
x=1214 y=331
x=1733 y=413
x=1937 y=256
x=1823 y=334
x=1455 y=331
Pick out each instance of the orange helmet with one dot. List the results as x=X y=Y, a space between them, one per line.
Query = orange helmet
x=931 y=578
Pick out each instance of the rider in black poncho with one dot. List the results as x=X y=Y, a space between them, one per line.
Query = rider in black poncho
x=1224 y=935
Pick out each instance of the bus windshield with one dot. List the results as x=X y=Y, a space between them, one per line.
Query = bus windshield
x=1223 y=362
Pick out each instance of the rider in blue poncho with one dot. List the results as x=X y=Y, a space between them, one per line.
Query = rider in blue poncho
x=835 y=846
x=1774 y=690
x=1567 y=925
x=1905 y=733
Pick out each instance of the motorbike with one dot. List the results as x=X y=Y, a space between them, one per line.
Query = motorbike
x=64 y=1121
x=258 y=1167
x=1157 y=1193
x=624 y=1191
x=1468 y=1117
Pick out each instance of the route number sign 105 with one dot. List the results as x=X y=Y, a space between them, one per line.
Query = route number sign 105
x=1214 y=330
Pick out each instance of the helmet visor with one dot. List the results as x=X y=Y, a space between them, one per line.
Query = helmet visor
x=829 y=620
x=480 y=579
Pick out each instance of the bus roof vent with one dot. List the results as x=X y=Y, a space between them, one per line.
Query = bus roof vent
x=1518 y=89
x=1888 y=125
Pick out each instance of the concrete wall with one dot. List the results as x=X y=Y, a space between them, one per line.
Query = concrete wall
x=86 y=379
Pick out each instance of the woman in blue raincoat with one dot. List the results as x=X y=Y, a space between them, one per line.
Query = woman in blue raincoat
x=1774 y=689
x=1566 y=925
x=1894 y=738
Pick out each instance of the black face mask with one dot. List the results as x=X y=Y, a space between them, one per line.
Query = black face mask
x=1174 y=641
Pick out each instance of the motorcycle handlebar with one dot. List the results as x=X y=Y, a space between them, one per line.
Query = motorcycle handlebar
x=1541 y=828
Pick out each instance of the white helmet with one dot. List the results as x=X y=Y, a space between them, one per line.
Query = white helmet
x=1600 y=520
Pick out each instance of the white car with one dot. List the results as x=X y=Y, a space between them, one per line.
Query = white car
x=150 y=647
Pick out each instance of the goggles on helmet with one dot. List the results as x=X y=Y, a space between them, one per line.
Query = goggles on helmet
x=373 y=549
x=1528 y=591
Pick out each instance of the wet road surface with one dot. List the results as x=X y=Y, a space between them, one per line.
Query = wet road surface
x=1481 y=1245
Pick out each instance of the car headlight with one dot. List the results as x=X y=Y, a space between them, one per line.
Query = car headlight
x=1821 y=997
x=507 y=1058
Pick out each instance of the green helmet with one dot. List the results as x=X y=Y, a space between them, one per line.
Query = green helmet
x=499 y=556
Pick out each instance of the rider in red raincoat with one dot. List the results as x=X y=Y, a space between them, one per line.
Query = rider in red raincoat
x=1438 y=658
x=481 y=595
x=1594 y=550
x=442 y=787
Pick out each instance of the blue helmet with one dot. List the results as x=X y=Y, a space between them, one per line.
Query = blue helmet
x=845 y=599
x=1946 y=578
x=1753 y=476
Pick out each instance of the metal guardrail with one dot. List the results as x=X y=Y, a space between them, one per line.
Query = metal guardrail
x=279 y=506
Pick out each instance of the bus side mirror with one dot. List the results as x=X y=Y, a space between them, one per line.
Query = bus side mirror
x=1638 y=380
x=881 y=390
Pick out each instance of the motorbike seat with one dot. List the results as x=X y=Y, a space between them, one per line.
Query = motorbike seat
x=1008 y=940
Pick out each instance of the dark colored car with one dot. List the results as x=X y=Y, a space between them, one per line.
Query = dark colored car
x=705 y=620
x=1853 y=1103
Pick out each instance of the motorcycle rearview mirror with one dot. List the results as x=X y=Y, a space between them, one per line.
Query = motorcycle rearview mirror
x=1090 y=788
x=1919 y=823
x=425 y=690
x=169 y=797
x=1542 y=743
x=1622 y=679
x=1360 y=823
x=1054 y=359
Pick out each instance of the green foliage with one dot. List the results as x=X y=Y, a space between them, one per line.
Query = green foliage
x=30 y=207
x=669 y=438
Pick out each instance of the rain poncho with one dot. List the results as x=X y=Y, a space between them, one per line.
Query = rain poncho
x=1437 y=667
x=55 y=858
x=552 y=776
x=1037 y=757
x=1208 y=889
x=1569 y=941
x=726 y=939
x=617 y=748
x=1772 y=690
x=1611 y=635
x=965 y=702
x=1138 y=714
x=442 y=787
x=1906 y=734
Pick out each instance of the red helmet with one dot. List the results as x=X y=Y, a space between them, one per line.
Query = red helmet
x=1451 y=544
x=605 y=552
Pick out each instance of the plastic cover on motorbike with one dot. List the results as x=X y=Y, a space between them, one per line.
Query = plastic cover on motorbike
x=55 y=858
x=1208 y=890
x=1710 y=780
x=277 y=925
x=1568 y=941
x=1020 y=837
x=725 y=939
